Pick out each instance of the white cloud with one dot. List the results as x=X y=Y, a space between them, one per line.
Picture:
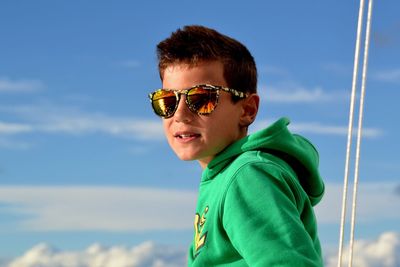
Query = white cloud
x=12 y=144
x=7 y=85
x=392 y=76
x=9 y=129
x=99 y=123
x=62 y=208
x=375 y=203
x=14 y=128
x=319 y=128
x=135 y=209
x=49 y=119
x=338 y=68
x=293 y=93
x=52 y=208
x=147 y=254
x=383 y=252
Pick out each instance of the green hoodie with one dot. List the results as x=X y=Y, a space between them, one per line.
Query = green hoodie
x=255 y=204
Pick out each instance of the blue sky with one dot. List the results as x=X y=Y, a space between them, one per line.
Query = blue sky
x=83 y=158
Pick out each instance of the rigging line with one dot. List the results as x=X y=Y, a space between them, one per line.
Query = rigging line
x=350 y=129
x=359 y=134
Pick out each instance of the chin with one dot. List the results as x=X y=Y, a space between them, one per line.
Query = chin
x=186 y=157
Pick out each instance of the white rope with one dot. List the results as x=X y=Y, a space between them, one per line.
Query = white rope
x=359 y=132
x=350 y=130
x=360 y=120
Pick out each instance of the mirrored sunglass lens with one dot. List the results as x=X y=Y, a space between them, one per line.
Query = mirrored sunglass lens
x=202 y=101
x=164 y=103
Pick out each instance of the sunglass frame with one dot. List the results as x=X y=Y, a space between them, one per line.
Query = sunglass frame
x=185 y=92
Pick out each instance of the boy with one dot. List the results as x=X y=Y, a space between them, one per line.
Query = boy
x=257 y=192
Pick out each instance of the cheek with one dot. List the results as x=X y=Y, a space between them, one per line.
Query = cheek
x=221 y=128
x=228 y=126
x=167 y=127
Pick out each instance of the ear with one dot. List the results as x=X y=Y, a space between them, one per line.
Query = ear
x=249 y=110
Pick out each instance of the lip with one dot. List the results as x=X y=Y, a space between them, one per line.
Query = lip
x=186 y=136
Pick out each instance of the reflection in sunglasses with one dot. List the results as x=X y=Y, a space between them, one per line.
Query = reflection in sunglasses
x=200 y=99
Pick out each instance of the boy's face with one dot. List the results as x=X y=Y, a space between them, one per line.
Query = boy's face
x=201 y=137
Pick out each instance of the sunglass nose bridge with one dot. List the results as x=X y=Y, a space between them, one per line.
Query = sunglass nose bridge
x=182 y=107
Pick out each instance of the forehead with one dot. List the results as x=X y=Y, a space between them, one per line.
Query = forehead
x=182 y=75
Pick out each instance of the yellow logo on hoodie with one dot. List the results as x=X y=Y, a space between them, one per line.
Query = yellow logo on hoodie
x=199 y=236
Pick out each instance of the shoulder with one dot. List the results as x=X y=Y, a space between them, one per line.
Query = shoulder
x=259 y=161
x=255 y=171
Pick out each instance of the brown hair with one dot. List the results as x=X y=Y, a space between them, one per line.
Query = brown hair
x=194 y=44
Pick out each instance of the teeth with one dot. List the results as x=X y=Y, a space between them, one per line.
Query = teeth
x=188 y=135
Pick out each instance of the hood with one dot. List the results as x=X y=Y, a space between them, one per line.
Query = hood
x=294 y=149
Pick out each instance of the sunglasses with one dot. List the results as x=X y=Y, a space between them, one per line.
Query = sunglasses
x=200 y=99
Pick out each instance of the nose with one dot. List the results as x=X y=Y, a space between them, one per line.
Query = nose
x=183 y=113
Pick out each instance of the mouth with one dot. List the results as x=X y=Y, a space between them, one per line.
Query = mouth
x=186 y=135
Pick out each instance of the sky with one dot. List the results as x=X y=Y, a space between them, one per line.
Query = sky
x=86 y=175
